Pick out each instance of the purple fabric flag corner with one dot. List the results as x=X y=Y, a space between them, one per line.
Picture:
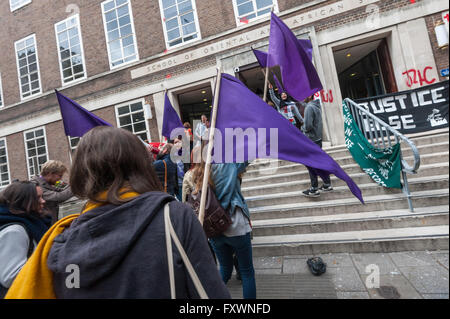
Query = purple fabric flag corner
x=261 y=57
x=242 y=136
x=171 y=120
x=294 y=57
x=278 y=84
x=77 y=120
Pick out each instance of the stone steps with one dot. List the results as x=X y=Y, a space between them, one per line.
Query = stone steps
x=349 y=167
x=342 y=156
x=287 y=223
x=340 y=192
x=402 y=218
x=380 y=240
x=276 y=180
x=385 y=202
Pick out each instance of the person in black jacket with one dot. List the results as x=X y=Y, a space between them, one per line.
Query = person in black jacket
x=22 y=225
x=118 y=243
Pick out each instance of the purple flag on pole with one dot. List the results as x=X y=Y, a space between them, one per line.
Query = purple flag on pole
x=299 y=75
x=77 y=120
x=171 y=120
x=278 y=84
x=248 y=128
x=261 y=57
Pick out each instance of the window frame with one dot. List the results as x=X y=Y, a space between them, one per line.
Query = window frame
x=77 y=17
x=26 y=149
x=37 y=65
x=7 y=163
x=142 y=100
x=196 y=22
x=236 y=12
x=20 y=6
x=111 y=67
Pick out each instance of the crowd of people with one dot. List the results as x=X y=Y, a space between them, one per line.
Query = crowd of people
x=119 y=240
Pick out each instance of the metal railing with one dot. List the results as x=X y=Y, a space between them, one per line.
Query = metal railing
x=381 y=136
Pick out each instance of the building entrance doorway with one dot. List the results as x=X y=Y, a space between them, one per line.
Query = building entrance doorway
x=195 y=101
x=365 y=70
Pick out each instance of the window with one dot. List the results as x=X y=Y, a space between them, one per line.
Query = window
x=4 y=170
x=28 y=67
x=119 y=30
x=73 y=142
x=70 y=49
x=36 y=150
x=180 y=21
x=132 y=118
x=246 y=10
x=1 y=91
x=16 y=4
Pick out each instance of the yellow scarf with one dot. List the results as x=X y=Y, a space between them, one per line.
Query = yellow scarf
x=35 y=280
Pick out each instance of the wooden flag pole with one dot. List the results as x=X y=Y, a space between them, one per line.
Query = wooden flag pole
x=201 y=215
x=266 y=83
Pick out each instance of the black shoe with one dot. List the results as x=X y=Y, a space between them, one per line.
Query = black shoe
x=326 y=188
x=312 y=192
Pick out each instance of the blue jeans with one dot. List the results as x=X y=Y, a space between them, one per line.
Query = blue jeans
x=224 y=247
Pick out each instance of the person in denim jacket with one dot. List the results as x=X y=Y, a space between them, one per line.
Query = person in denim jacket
x=237 y=238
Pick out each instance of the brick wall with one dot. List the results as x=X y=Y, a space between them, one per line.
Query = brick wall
x=16 y=156
x=440 y=55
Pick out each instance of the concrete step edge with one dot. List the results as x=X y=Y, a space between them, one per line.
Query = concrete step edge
x=265 y=161
x=351 y=201
x=346 y=166
x=289 y=174
x=353 y=236
x=351 y=217
x=344 y=188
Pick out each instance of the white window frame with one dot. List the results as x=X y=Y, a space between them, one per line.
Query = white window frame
x=2 y=100
x=37 y=65
x=236 y=12
x=197 y=26
x=111 y=67
x=20 y=6
x=77 y=18
x=7 y=163
x=142 y=100
x=26 y=149
x=72 y=149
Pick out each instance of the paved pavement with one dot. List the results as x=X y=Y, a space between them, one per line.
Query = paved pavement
x=402 y=275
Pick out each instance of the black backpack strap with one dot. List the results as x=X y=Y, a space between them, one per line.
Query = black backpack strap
x=30 y=245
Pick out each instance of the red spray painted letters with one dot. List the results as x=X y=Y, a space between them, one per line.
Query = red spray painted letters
x=414 y=76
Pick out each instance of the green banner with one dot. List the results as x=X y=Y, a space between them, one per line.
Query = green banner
x=382 y=165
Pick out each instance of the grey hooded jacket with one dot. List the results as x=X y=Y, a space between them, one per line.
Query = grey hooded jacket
x=312 y=126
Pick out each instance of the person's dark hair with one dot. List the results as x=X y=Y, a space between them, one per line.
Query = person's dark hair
x=187 y=125
x=21 y=198
x=111 y=159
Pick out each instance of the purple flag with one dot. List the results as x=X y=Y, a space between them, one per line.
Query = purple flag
x=261 y=57
x=278 y=84
x=171 y=120
x=77 y=120
x=248 y=128
x=299 y=75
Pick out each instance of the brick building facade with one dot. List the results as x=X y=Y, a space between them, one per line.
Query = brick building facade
x=117 y=57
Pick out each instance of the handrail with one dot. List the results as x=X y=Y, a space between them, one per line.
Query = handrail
x=398 y=137
x=378 y=133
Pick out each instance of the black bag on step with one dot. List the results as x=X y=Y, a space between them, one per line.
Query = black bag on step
x=317 y=266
